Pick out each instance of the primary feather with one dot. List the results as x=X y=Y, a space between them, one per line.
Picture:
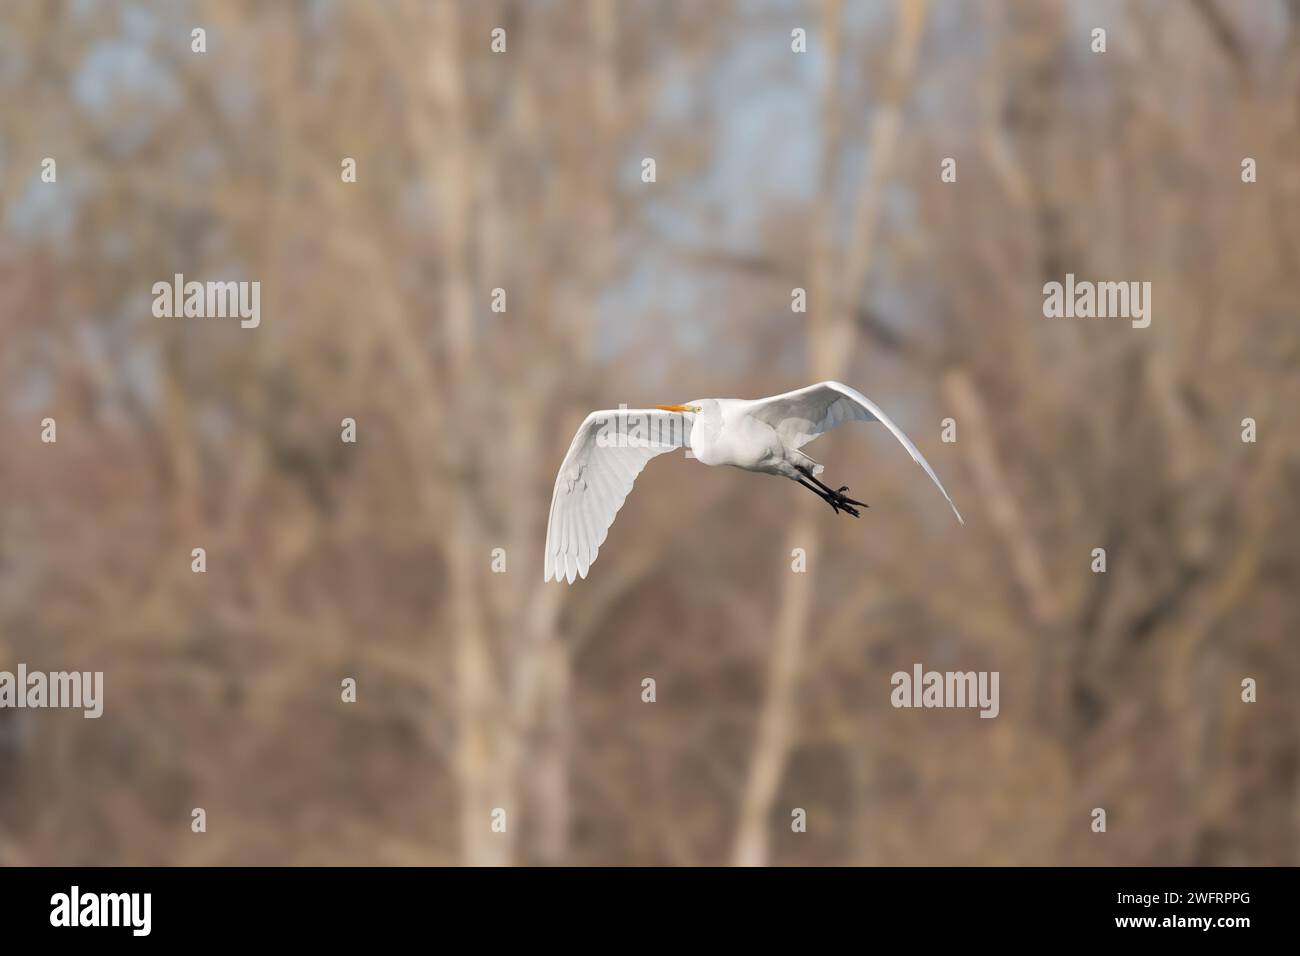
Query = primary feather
x=595 y=479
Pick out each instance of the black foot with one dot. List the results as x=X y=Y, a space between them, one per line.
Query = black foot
x=838 y=505
x=853 y=501
x=833 y=497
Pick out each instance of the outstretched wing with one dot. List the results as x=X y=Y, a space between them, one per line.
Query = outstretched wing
x=607 y=454
x=800 y=416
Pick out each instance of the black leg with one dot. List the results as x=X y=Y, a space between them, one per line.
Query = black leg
x=819 y=493
x=836 y=493
x=837 y=504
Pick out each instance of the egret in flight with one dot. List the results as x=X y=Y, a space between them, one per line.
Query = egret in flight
x=762 y=435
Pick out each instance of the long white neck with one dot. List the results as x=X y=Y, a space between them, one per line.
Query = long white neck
x=706 y=426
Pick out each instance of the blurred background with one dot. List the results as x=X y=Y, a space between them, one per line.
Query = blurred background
x=775 y=170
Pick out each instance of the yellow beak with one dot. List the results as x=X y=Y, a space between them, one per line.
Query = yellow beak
x=677 y=408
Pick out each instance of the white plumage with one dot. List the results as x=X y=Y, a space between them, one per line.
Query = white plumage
x=763 y=435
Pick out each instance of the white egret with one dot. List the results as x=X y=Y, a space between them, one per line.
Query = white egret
x=764 y=435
